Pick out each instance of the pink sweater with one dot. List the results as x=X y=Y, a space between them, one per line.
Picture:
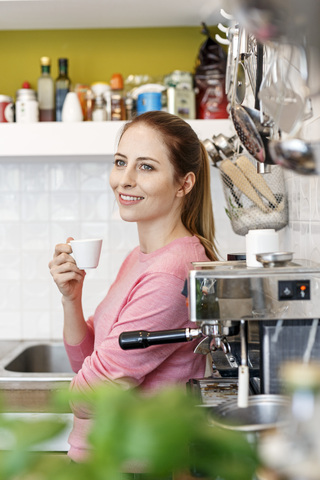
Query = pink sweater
x=146 y=295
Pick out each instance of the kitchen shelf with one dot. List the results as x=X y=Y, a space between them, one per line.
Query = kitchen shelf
x=78 y=141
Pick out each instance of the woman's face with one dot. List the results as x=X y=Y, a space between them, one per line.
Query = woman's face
x=143 y=177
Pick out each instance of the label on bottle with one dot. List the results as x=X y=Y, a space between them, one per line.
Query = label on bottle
x=61 y=94
x=27 y=111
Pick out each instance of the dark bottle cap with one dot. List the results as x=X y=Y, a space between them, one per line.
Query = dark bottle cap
x=63 y=65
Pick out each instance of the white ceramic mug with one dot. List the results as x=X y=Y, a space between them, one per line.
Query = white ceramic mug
x=86 y=252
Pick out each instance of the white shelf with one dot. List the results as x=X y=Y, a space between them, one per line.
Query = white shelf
x=79 y=141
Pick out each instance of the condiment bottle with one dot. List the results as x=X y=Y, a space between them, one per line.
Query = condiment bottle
x=118 y=111
x=101 y=92
x=63 y=84
x=46 y=92
x=27 y=110
x=89 y=105
x=99 y=113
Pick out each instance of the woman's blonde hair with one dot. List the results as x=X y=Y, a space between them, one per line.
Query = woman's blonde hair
x=187 y=154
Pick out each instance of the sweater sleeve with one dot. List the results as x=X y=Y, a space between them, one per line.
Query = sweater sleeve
x=155 y=303
x=77 y=353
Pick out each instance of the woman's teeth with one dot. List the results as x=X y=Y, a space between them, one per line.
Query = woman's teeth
x=128 y=198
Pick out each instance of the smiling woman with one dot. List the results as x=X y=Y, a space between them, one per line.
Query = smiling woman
x=161 y=181
x=147 y=191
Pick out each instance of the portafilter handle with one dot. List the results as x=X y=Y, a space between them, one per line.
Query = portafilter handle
x=144 y=339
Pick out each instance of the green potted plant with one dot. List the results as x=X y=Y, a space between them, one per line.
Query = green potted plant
x=166 y=433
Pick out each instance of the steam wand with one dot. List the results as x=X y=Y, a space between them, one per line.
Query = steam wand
x=243 y=377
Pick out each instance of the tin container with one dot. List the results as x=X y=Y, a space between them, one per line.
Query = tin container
x=6 y=109
x=149 y=101
x=27 y=107
x=181 y=102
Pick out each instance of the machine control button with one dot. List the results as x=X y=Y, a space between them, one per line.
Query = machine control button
x=303 y=290
x=294 y=290
x=285 y=290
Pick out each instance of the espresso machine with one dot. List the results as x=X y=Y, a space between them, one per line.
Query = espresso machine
x=251 y=320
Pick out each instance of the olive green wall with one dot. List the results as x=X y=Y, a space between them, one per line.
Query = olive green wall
x=96 y=53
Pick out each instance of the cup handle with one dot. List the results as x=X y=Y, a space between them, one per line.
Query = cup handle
x=71 y=254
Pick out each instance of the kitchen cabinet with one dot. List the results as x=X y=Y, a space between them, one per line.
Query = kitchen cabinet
x=78 y=141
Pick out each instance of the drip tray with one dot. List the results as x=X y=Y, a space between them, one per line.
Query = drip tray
x=213 y=391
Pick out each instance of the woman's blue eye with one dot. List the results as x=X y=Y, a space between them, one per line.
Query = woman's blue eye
x=144 y=166
x=119 y=163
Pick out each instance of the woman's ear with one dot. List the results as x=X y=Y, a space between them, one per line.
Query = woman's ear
x=188 y=183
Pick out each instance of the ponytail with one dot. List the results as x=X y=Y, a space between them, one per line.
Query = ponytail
x=187 y=154
x=197 y=213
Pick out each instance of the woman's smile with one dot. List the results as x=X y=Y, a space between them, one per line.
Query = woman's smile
x=129 y=199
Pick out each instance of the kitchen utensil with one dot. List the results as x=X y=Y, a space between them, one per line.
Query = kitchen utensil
x=247 y=132
x=257 y=180
x=240 y=83
x=278 y=97
x=254 y=201
x=296 y=154
x=263 y=412
x=242 y=183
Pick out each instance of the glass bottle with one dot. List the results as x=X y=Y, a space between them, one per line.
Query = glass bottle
x=99 y=113
x=63 y=84
x=46 y=92
x=118 y=110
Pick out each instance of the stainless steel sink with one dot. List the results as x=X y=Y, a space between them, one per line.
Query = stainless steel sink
x=34 y=360
x=44 y=358
x=30 y=372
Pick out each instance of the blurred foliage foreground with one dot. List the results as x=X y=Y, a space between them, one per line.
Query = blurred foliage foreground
x=165 y=432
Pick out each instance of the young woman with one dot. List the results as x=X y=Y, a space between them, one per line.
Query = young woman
x=161 y=181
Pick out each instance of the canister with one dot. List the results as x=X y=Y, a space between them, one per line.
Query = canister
x=6 y=109
x=149 y=101
x=27 y=107
x=260 y=241
x=181 y=101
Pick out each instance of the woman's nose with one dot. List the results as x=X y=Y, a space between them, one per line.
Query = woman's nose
x=128 y=177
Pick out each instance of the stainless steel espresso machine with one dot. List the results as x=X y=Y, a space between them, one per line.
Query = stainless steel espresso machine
x=252 y=319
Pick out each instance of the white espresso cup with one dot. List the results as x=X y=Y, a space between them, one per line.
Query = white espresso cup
x=86 y=252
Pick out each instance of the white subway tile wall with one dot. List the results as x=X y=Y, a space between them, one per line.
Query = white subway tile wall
x=41 y=204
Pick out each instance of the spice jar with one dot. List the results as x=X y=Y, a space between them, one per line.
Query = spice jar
x=6 y=109
x=27 y=108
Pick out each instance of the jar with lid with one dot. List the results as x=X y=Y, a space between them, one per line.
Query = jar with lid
x=99 y=113
x=181 y=99
x=27 y=107
x=100 y=90
x=6 y=109
x=89 y=105
x=118 y=111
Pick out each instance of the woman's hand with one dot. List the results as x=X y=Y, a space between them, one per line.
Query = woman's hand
x=67 y=276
